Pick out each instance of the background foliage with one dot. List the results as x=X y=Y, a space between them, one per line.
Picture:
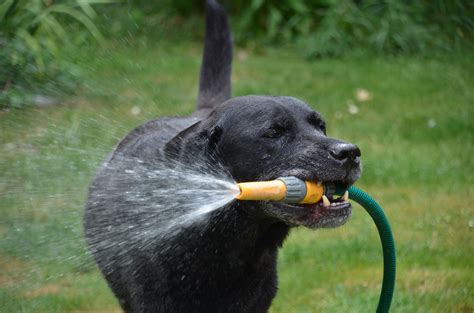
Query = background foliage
x=336 y=27
x=35 y=33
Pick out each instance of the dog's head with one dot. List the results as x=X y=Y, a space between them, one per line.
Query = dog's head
x=264 y=137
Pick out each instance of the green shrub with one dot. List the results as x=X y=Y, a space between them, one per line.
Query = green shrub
x=330 y=27
x=33 y=33
x=276 y=21
x=393 y=27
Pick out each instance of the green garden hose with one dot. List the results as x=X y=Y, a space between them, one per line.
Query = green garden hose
x=388 y=244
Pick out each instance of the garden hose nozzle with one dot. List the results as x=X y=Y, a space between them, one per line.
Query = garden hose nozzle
x=287 y=189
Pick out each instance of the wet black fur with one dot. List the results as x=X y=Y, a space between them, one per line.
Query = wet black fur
x=228 y=263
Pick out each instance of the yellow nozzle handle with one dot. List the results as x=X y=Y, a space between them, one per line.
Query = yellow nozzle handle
x=287 y=189
x=314 y=192
x=263 y=190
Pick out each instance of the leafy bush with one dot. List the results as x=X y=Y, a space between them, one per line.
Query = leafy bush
x=335 y=27
x=274 y=20
x=32 y=35
x=392 y=27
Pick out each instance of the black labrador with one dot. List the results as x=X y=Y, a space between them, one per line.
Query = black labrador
x=227 y=264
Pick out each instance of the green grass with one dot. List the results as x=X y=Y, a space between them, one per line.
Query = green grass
x=416 y=137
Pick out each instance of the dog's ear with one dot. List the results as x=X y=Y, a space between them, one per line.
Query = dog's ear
x=194 y=141
x=214 y=135
x=176 y=145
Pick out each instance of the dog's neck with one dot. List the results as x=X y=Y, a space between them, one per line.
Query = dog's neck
x=238 y=229
x=254 y=235
x=232 y=241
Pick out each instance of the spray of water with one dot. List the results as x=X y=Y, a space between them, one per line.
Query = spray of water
x=46 y=166
x=137 y=205
x=161 y=195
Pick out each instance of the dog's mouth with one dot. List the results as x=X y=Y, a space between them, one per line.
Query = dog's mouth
x=320 y=214
x=331 y=212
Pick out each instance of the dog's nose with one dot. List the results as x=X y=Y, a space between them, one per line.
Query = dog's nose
x=344 y=152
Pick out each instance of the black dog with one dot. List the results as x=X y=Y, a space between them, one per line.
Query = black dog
x=228 y=264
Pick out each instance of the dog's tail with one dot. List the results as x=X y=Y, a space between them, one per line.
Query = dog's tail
x=214 y=81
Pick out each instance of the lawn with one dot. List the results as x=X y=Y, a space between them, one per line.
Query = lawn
x=415 y=129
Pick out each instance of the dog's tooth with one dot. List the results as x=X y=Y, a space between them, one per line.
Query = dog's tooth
x=345 y=197
x=326 y=202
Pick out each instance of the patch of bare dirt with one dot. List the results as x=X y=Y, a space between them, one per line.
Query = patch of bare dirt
x=44 y=290
x=11 y=270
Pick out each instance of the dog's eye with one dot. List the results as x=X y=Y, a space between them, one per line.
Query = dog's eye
x=322 y=126
x=317 y=122
x=276 y=131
